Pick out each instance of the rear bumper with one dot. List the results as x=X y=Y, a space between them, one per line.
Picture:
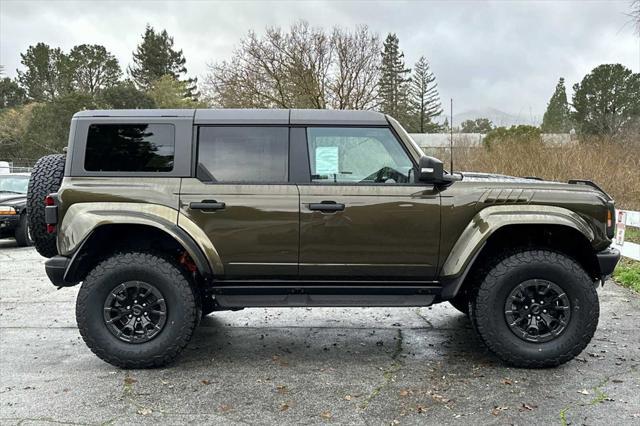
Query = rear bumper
x=56 y=268
x=607 y=260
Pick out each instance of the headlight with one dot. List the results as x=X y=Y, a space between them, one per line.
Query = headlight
x=7 y=210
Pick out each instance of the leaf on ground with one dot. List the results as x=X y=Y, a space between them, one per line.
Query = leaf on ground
x=507 y=381
x=405 y=392
x=284 y=406
x=145 y=411
x=225 y=408
x=129 y=380
x=528 y=407
x=326 y=415
x=205 y=382
x=498 y=409
x=439 y=398
x=347 y=397
x=421 y=408
x=282 y=389
x=584 y=392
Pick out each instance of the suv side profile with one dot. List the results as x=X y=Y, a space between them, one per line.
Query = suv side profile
x=168 y=215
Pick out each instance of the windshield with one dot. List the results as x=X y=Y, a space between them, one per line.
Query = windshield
x=14 y=184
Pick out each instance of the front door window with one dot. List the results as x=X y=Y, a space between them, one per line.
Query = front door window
x=357 y=156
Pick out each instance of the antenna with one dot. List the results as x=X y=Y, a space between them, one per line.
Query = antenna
x=451 y=136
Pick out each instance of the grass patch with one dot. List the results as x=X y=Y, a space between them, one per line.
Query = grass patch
x=632 y=235
x=627 y=274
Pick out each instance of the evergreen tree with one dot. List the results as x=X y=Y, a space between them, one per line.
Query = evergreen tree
x=557 y=117
x=155 y=57
x=424 y=100
x=607 y=100
x=394 y=81
x=11 y=94
x=124 y=95
x=46 y=76
x=479 y=125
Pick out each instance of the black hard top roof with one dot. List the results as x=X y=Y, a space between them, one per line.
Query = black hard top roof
x=252 y=116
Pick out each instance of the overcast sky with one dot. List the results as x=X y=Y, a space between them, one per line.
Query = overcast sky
x=505 y=54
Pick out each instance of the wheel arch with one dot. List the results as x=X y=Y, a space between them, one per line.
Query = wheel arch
x=500 y=227
x=82 y=221
x=100 y=242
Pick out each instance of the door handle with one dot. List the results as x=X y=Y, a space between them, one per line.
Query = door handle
x=207 y=205
x=327 y=206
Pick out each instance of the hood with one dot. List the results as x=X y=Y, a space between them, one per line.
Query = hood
x=13 y=199
x=574 y=185
x=494 y=177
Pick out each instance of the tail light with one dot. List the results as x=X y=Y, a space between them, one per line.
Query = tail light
x=50 y=213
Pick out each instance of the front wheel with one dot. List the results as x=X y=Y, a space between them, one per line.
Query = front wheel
x=536 y=308
x=22 y=234
x=137 y=310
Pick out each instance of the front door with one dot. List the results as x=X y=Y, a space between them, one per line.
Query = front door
x=362 y=215
x=243 y=201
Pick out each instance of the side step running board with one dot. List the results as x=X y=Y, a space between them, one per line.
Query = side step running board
x=245 y=295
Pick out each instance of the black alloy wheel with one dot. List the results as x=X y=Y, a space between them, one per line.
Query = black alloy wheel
x=135 y=312
x=537 y=311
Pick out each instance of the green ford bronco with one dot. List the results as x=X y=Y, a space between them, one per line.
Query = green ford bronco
x=168 y=215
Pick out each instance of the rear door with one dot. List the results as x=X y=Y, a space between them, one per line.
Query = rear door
x=242 y=199
x=362 y=215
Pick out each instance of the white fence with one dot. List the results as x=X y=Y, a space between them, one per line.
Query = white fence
x=624 y=219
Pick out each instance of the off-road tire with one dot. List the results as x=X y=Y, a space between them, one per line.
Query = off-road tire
x=183 y=312
x=507 y=272
x=22 y=232
x=45 y=179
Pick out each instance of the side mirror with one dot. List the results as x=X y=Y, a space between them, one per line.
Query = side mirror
x=430 y=170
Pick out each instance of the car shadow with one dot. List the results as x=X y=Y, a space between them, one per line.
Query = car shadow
x=452 y=340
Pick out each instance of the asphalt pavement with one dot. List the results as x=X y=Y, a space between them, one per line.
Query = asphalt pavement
x=358 y=366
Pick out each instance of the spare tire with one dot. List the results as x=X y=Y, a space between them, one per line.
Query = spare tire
x=46 y=178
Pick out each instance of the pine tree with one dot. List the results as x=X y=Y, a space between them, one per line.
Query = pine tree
x=155 y=57
x=424 y=100
x=557 y=117
x=394 y=81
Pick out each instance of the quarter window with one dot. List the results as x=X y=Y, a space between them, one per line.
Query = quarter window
x=130 y=148
x=243 y=154
x=357 y=155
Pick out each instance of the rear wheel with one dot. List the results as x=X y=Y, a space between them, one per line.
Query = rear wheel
x=536 y=308
x=45 y=179
x=137 y=310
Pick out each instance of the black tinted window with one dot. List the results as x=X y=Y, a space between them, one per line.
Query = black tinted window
x=130 y=148
x=243 y=154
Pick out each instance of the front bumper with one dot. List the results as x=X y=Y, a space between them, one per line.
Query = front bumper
x=56 y=268
x=607 y=260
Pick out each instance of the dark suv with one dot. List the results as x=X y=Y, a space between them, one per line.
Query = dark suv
x=13 y=212
x=168 y=215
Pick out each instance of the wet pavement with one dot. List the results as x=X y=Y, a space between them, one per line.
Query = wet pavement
x=305 y=366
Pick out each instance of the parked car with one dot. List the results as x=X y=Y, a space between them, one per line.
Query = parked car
x=168 y=215
x=13 y=212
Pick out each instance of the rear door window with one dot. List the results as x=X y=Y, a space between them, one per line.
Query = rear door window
x=130 y=148
x=243 y=154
